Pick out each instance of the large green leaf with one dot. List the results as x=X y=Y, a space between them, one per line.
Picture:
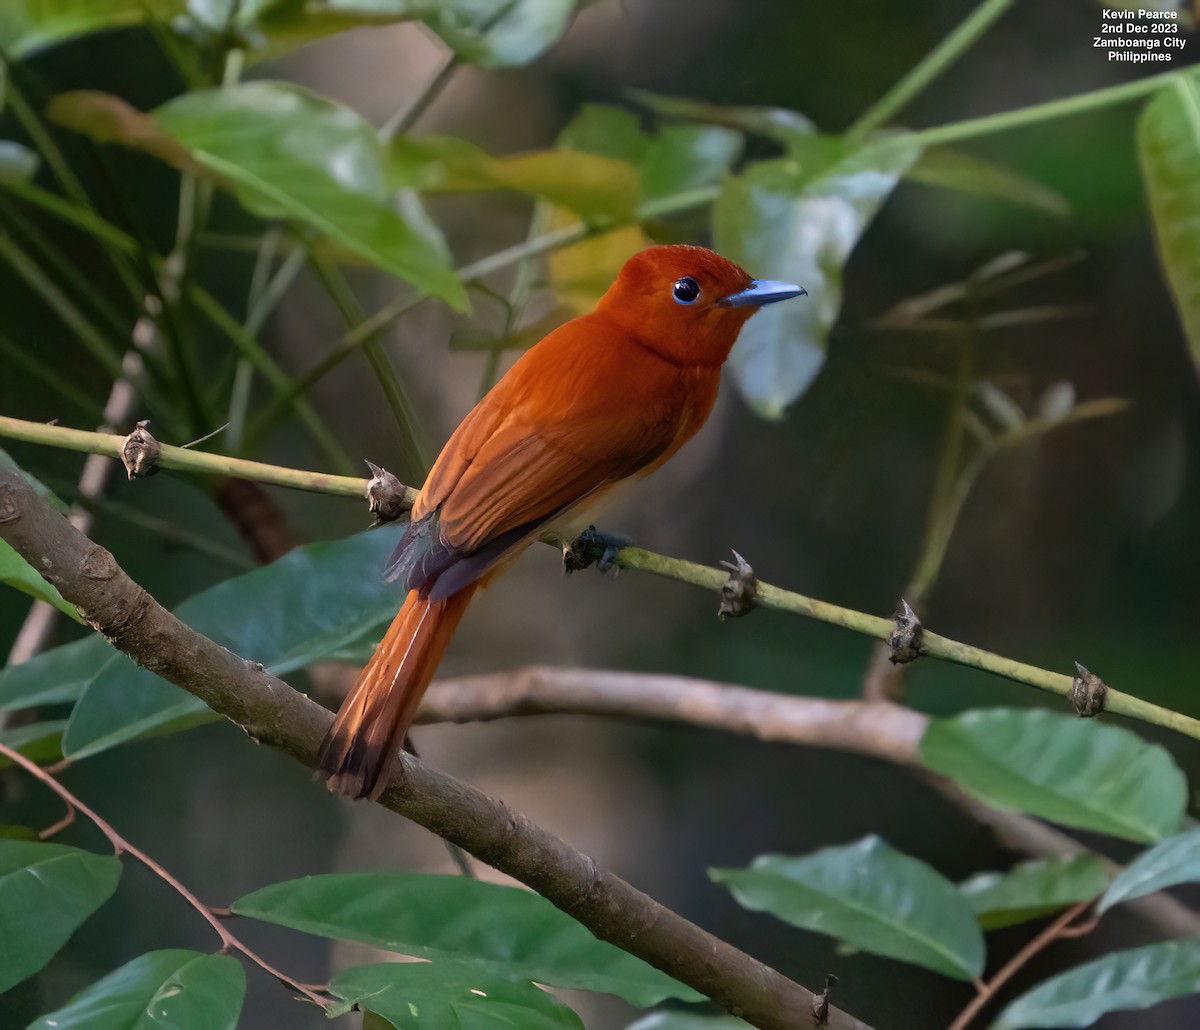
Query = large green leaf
x=1034 y=889
x=1176 y=860
x=313 y=601
x=162 y=990
x=954 y=170
x=55 y=676
x=27 y=26
x=799 y=221
x=870 y=896
x=284 y=152
x=506 y=930
x=1169 y=149
x=46 y=891
x=434 y=995
x=1078 y=772
x=37 y=741
x=1119 y=982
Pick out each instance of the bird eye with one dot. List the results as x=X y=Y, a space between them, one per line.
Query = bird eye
x=686 y=290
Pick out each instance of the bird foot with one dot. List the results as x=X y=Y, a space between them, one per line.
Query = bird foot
x=592 y=547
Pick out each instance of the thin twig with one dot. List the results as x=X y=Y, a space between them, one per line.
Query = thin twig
x=1014 y=965
x=706 y=577
x=122 y=847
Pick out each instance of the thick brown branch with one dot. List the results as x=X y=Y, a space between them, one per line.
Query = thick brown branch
x=272 y=713
x=876 y=729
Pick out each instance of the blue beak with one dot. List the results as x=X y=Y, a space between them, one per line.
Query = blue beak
x=763 y=291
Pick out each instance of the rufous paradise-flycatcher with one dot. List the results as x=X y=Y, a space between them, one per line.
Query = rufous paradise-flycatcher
x=606 y=397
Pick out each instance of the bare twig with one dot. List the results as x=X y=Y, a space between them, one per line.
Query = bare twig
x=707 y=577
x=1056 y=930
x=272 y=713
x=122 y=847
x=873 y=729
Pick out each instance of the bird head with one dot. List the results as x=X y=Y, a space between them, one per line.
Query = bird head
x=687 y=304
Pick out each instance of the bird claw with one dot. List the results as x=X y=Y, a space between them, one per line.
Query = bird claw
x=592 y=547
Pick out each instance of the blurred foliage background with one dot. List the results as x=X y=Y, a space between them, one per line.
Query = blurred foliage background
x=1082 y=545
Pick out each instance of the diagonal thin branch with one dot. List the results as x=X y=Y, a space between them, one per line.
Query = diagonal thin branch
x=873 y=729
x=272 y=713
x=933 y=645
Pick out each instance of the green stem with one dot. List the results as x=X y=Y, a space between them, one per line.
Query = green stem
x=973 y=128
x=943 y=512
x=95 y=341
x=406 y=117
x=413 y=461
x=253 y=352
x=934 y=63
x=704 y=576
x=185 y=460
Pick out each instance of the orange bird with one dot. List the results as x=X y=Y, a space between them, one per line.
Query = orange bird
x=606 y=397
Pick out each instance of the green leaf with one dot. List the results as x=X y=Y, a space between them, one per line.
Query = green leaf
x=1169 y=149
x=1034 y=889
x=677 y=158
x=13 y=831
x=505 y=930
x=1078 y=772
x=46 y=891
x=162 y=990
x=1176 y=860
x=593 y=186
x=1119 y=982
x=284 y=152
x=501 y=33
x=433 y=995
x=870 y=896
x=785 y=219
x=56 y=676
x=37 y=741
x=18 y=573
x=954 y=170
x=17 y=163
x=27 y=26
x=311 y=602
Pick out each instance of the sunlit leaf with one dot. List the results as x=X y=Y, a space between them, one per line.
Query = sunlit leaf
x=46 y=891
x=1124 y=981
x=1169 y=149
x=502 y=930
x=872 y=897
x=1034 y=889
x=1078 y=772
x=593 y=186
x=435 y=995
x=289 y=614
x=162 y=990
x=1176 y=860
x=284 y=152
x=782 y=220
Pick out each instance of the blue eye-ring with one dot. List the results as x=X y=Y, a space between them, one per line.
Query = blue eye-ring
x=686 y=290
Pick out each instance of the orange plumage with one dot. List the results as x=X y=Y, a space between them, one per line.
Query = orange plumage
x=603 y=398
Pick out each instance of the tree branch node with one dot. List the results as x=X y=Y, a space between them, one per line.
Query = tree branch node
x=904 y=642
x=1088 y=694
x=739 y=590
x=140 y=451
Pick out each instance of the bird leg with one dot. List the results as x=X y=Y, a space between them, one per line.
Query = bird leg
x=592 y=547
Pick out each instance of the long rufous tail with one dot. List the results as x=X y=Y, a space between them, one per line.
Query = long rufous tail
x=366 y=737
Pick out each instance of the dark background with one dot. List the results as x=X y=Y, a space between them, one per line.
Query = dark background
x=1082 y=546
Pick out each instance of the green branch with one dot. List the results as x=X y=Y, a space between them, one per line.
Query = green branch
x=934 y=63
x=704 y=576
x=185 y=460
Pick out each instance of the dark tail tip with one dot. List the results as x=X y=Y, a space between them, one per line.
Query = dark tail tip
x=347 y=767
